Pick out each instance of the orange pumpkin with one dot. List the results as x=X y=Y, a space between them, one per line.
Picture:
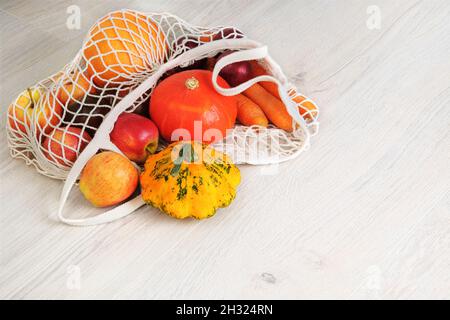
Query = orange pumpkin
x=188 y=101
x=122 y=44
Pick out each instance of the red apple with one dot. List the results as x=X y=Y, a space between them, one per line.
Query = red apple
x=136 y=136
x=108 y=179
x=185 y=41
x=63 y=145
x=74 y=88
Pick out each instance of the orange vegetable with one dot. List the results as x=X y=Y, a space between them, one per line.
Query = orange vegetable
x=273 y=108
x=249 y=113
x=188 y=98
x=258 y=70
x=307 y=109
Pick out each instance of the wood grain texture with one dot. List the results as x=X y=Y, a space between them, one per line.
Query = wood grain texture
x=363 y=214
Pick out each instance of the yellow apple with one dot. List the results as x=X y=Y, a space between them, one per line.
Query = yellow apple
x=32 y=104
x=21 y=110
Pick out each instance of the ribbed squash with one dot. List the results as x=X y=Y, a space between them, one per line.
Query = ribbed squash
x=189 y=179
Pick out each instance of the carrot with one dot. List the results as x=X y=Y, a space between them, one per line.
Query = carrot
x=258 y=70
x=273 y=108
x=272 y=88
x=249 y=113
x=307 y=109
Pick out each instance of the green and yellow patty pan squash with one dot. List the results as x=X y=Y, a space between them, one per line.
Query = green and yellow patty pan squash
x=189 y=179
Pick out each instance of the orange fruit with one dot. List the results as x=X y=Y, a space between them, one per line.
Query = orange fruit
x=122 y=44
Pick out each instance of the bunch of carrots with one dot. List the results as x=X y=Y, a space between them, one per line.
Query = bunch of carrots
x=261 y=104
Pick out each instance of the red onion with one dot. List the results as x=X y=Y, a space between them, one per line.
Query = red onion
x=186 y=41
x=228 y=33
x=236 y=73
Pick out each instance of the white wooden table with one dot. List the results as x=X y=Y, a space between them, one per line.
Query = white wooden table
x=365 y=213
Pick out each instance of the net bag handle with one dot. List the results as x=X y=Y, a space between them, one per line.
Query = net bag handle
x=251 y=50
x=281 y=82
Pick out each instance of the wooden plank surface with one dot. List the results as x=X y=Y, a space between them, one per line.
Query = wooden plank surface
x=363 y=214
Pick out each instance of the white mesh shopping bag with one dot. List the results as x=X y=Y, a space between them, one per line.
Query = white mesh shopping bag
x=122 y=59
